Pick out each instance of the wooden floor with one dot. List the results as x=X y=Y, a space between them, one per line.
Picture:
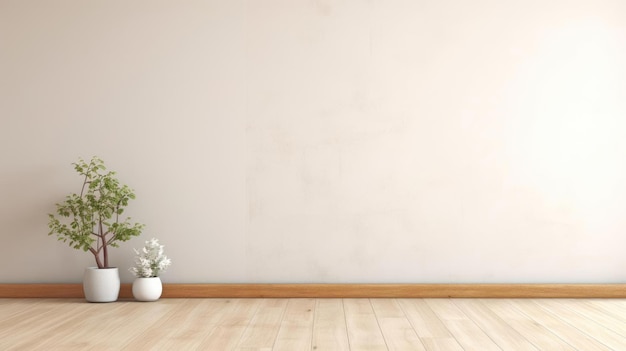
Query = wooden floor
x=314 y=324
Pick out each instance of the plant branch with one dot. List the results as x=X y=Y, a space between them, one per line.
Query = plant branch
x=97 y=256
x=105 y=252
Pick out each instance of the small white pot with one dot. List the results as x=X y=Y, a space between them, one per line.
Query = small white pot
x=147 y=289
x=101 y=284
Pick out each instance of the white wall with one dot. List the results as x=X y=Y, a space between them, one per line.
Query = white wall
x=323 y=141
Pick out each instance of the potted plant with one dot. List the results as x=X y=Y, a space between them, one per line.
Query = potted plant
x=92 y=221
x=150 y=262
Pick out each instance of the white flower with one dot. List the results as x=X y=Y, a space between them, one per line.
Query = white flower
x=150 y=261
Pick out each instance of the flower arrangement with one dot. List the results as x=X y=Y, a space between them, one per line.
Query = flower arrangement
x=150 y=261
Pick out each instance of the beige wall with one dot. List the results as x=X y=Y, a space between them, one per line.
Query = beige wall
x=323 y=141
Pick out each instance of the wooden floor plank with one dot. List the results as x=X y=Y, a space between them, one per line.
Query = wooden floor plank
x=536 y=333
x=198 y=322
x=611 y=309
x=22 y=313
x=329 y=327
x=608 y=320
x=183 y=328
x=233 y=322
x=310 y=324
x=399 y=335
x=30 y=323
x=101 y=326
x=14 y=307
x=423 y=319
x=296 y=328
x=465 y=331
x=161 y=330
x=441 y=344
x=396 y=328
x=499 y=331
x=42 y=324
x=264 y=326
x=363 y=330
x=387 y=308
x=112 y=331
x=593 y=329
x=568 y=333
x=108 y=328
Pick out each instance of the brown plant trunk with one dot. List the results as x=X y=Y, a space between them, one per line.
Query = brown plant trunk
x=105 y=252
x=96 y=254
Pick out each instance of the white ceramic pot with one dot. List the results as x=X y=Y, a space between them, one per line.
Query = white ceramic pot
x=147 y=289
x=101 y=284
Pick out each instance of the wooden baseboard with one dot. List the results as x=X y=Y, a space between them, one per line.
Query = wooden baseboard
x=337 y=290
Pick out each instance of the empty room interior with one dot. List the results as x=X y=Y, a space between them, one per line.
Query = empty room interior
x=313 y=175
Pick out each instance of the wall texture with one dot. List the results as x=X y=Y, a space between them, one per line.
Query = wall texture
x=323 y=141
